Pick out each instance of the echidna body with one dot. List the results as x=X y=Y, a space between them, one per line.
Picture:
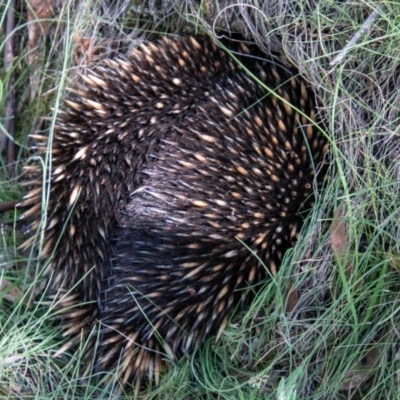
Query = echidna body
x=174 y=176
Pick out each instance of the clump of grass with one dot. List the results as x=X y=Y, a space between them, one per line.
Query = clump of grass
x=326 y=325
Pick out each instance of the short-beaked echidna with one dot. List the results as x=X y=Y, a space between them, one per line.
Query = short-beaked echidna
x=175 y=175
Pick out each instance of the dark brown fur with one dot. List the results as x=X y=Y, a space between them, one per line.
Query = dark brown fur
x=163 y=165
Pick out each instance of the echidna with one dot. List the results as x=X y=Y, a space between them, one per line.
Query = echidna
x=176 y=176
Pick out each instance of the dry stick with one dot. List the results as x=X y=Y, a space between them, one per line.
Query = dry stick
x=354 y=40
x=9 y=124
x=9 y=205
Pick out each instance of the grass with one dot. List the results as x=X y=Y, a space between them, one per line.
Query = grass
x=339 y=339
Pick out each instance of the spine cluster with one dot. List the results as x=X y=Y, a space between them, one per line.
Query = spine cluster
x=177 y=174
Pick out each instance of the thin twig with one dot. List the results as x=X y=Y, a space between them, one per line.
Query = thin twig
x=354 y=40
x=9 y=123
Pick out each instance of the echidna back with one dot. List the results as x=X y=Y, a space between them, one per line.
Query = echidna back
x=177 y=178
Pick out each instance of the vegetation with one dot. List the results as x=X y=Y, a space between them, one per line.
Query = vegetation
x=326 y=326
